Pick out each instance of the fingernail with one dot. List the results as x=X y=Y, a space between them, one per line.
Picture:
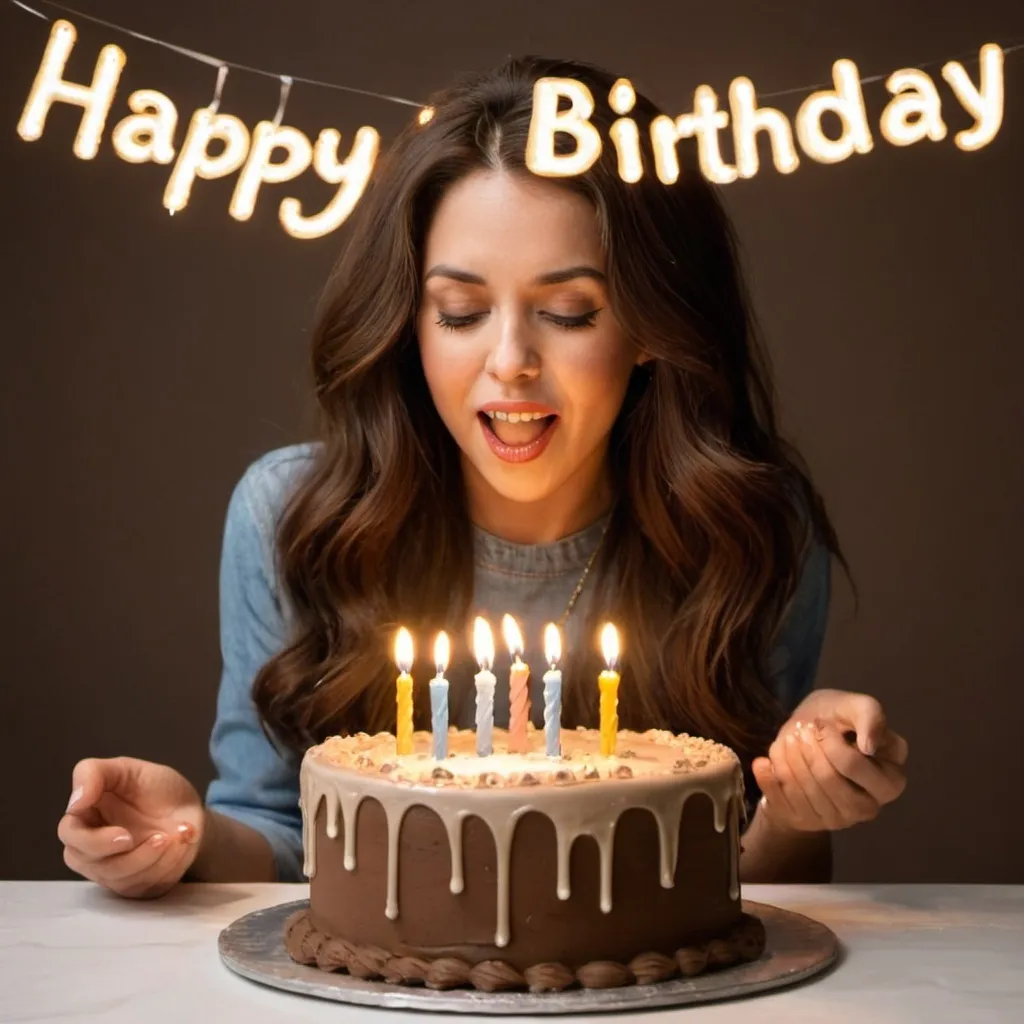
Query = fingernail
x=187 y=833
x=121 y=839
x=157 y=839
x=76 y=795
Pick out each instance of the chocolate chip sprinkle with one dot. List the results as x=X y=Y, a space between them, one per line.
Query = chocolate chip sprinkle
x=529 y=780
x=623 y=771
x=441 y=774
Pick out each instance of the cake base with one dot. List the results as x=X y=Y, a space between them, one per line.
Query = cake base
x=796 y=948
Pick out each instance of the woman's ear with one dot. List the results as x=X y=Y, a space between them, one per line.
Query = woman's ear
x=644 y=358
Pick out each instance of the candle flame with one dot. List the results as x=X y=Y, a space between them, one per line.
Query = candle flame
x=442 y=652
x=513 y=637
x=610 y=644
x=403 y=650
x=483 y=643
x=552 y=643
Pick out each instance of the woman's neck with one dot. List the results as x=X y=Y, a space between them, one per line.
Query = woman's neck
x=580 y=501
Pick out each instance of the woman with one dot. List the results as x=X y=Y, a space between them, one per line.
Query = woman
x=543 y=397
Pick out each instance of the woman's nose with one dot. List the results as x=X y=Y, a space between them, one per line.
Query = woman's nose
x=513 y=356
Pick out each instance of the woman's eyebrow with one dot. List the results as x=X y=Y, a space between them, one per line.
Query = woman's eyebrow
x=552 y=277
x=569 y=274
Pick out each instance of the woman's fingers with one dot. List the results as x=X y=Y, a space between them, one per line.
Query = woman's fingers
x=893 y=748
x=881 y=780
x=799 y=759
x=154 y=862
x=771 y=791
x=805 y=814
x=851 y=805
x=94 y=842
x=94 y=776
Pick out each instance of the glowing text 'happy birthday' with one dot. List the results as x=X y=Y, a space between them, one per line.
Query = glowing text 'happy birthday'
x=216 y=145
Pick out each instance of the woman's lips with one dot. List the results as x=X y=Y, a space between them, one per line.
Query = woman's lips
x=535 y=437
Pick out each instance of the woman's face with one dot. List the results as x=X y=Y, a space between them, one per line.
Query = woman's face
x=525 y=361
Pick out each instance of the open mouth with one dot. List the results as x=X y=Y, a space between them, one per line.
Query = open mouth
x=517 y=436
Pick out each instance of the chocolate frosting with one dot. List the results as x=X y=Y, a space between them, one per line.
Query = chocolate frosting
x=523 y=860
x=744 y=942
x=343 y=772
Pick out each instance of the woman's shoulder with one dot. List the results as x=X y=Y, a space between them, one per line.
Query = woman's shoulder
x=267 y=485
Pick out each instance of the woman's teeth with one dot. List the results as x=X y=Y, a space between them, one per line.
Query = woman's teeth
x=515 y=417
x=518 y=428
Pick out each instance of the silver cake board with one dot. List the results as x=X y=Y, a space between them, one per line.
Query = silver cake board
x=796 y=948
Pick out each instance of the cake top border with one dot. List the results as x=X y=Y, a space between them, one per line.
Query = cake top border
x=654 y=754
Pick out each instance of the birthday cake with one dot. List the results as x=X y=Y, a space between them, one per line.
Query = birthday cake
x=522 y=870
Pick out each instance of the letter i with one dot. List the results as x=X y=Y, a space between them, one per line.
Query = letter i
x=624 y=132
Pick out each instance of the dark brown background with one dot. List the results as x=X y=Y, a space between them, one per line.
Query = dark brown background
x=147 y=359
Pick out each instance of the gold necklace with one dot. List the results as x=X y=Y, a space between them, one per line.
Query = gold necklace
x=583 y=579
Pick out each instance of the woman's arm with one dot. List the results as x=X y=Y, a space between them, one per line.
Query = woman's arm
x=772 y=852
x=232 y=852
x=252 y=806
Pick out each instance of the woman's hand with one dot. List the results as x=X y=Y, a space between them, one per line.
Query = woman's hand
x=834 y=764
x=131 y=825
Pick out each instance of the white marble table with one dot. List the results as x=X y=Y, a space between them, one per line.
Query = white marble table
x=71 y=952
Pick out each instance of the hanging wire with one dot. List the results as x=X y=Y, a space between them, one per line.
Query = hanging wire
x=288 y=80
x=206 y=58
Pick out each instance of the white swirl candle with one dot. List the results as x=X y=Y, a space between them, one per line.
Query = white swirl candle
x=552 y=692
x=483 y=651
x=439 y=698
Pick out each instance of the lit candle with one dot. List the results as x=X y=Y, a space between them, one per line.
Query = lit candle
x=483 y=651
x=403 y=722
x=518 y=687
x=439 y=698
x=552 y=691
x=608 y=682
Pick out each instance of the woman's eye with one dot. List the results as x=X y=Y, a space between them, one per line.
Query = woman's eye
x=455 y=322
x=571 y=323
x=451 y=322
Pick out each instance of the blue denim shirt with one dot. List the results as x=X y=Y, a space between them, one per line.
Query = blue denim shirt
x=257 y=784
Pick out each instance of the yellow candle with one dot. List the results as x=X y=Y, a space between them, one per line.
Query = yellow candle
x=518 y=688
x=608 y=682
x=403 y=721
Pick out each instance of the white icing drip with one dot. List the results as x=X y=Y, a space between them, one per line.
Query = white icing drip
x=332 y=819
x=349 y=809
x=668 y=841
x=309 y=803
x=606 y=844
x=454 y=827
x=734 y=849
x=503 y=828
x=394 y=814
x=564 y=843
x=592 y=809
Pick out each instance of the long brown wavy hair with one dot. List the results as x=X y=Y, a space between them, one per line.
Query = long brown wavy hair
x=715 y=510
